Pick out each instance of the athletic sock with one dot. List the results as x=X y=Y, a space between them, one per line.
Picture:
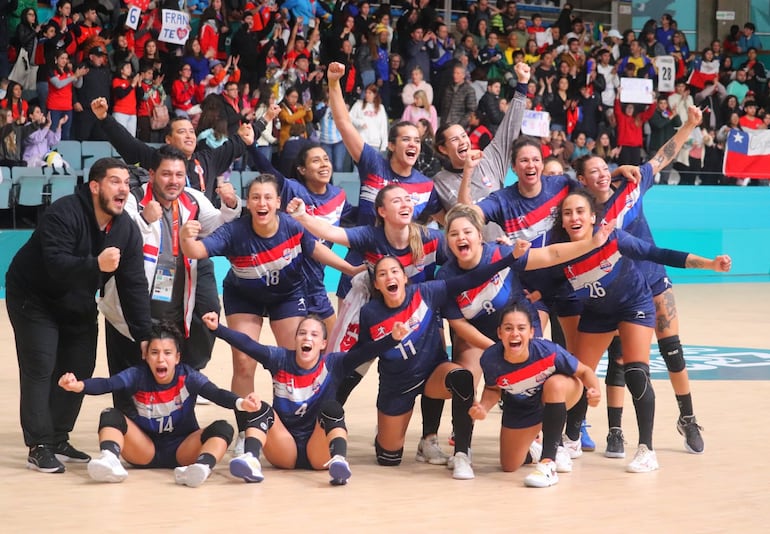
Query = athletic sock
x=554 y=417
x=575 y=417
x=431 y=415
x=206 y=458
x=685 y=404
x=338 y=446
x=614 y=416
x=638 y=382
x=109 y=445
x=252 y=445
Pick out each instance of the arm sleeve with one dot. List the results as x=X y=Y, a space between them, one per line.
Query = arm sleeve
x=497 y=155
x=217 y=395
x=244 y=343
x=638 y=249
x=131 y=149
x=363 y=352
x=458 y=284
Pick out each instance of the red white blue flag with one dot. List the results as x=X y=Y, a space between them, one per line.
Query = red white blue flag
x=747 y=154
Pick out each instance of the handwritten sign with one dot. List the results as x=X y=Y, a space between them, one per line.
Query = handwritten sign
x=176 y=27
x=133 y=16
x=536 y=123
x=636 y=91
x=666 y=73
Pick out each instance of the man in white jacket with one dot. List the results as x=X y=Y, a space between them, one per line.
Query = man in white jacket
x=160 y=208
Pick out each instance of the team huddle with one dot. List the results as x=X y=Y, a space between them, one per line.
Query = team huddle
x=577 y=253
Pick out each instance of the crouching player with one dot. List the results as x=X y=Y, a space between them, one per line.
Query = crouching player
x=305 y=427
x=539 y=381
x=162 y=430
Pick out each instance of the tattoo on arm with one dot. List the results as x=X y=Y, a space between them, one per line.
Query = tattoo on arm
x=669 y=149
x=694 y=262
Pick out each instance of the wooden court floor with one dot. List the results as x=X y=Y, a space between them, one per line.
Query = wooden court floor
x=724 y=490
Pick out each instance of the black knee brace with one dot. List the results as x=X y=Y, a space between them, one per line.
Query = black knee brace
x=113 y=418
x=218 y=429
x=637 y=376
x=263 y=419
x=673 y=354
x=460 y=382
x=388 y=458
x=331 y=416
x=615 y=350
x=614 y=375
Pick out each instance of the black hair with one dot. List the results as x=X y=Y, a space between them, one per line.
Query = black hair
x=101 y=166
x=264 y=178
x=166 y=152
x=166 y=330
x=513 y=307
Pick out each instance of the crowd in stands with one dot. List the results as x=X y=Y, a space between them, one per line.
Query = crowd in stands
x=244 y=55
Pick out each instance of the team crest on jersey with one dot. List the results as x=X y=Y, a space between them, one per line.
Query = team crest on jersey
x=630 y=201
x=414 y=322
x=286 y=254
x=420 y=265
x=415 y=198
x=605 y=265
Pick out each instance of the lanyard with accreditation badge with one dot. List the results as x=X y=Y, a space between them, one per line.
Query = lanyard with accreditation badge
x=163 y=285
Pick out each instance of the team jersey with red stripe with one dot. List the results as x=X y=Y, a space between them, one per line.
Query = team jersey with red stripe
x=298 y=393
x=375 y=173
x=271 y=268
x=626 y=209
x=607 y=277
x=163 y=410
x=522 y=383
x=481 y=305
x=372 y=243
x=528 y=218
x=407 y=365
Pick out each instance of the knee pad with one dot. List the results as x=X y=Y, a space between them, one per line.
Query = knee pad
x=331 y=416
x=637 y=376
x=614 y=376
x=263 y=419
x=460 y=382
x=218 y=429
x=673 y=354
x=113 y=418
x=386 y=457
x=615 y=350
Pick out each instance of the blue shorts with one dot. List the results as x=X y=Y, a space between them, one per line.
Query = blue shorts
x=165 y=453
x=320 y=305
x=235 y=301
x=566 y=307
x=514 y=416
x=395 y=403
x=302 y=460
x=661 y=285
x=641 y=312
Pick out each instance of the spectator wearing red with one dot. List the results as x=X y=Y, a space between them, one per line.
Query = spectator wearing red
x=630 y=136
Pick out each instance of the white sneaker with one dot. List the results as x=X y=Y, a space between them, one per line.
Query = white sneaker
x=563 y=461
x=107 y=468
x=462 y=469
x=574 y=448
x=240 y=443
x=543 y=476
x=247 y=467
x=644 y=461
x=192 y=475
x=339 y=470
x=535 y=451
x=450 y=463
x=429 y=451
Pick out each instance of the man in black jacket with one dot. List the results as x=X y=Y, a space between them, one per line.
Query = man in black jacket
x=81 y=243
x=96 y=83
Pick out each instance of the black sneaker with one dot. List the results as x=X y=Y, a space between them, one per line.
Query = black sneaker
x=41 y=458
x=689 y=428
x=67 y=453
x=615 y=444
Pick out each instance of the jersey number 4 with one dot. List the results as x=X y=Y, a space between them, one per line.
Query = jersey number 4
x=165 y=424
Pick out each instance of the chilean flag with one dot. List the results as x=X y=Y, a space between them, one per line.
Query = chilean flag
x=747 y=154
